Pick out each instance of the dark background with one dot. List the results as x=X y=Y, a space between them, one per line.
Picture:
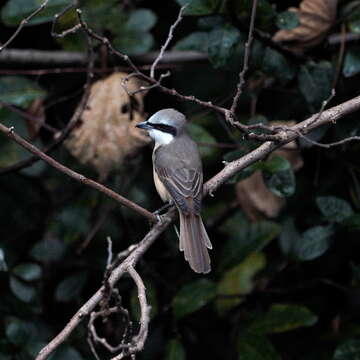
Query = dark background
x=280 y=288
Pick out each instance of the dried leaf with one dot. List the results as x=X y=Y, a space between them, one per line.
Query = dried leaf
x=316 y=18
x=256 y=200
x=107 y=135
x=36 y=112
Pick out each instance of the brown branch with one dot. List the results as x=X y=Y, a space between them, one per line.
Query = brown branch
x=328 y=116
x=246 y=59
x=139 y=74
x=138 y=342
x=23 y=23
x=66 y=32
x=60 y=58
x=73 y=174
x=167 y=42
x=335 y=39
x=116 y=274
x=34 y=119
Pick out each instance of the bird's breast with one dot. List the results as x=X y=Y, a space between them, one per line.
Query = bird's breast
x=160 y=188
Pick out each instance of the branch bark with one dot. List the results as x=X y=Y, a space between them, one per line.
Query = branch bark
x=58 y=58
x=73 y=174
x=329 y=116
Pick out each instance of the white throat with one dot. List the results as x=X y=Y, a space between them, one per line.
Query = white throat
x=160 y=137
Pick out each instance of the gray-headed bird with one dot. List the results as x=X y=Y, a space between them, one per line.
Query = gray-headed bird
x=178 y=179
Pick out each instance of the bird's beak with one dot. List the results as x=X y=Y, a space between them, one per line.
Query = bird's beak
x=143 y=125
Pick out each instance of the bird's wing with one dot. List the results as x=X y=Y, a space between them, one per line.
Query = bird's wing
x=184 y=185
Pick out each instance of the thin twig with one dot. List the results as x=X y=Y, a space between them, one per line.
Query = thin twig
x=66 y=32
x=61 y=136
x=167 y=42
x=110 y=252
x=229 y=170
x=246 y=59
x=73 y=174
x=136 y=72
x=23 y=23
x=138 y=342
x=115 y=276
x=34 y=119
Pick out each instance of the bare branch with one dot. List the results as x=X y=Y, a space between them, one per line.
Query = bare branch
x=116 y=274
x=62 y=58
x=23 y=23
x=328 y=116
x=246 y=59
x=63 y=134
x=72 y=30
x=167 y=42
x=73 y=174
x=138 y=342
x=149 y=79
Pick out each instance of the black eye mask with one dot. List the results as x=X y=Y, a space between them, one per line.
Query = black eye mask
x=164 y=128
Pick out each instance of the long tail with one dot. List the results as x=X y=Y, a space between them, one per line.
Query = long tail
x=194 y=241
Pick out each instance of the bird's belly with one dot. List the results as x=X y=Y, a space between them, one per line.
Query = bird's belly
x=160 y=188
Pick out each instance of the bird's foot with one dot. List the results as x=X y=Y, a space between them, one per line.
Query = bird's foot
x=162 y=209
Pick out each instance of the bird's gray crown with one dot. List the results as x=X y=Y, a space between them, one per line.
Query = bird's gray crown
x=169 y=117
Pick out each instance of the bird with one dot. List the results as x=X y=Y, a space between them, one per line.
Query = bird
x=178 y=178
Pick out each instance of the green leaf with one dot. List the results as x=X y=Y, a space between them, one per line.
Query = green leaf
x=48 y=250
x=20 y=332
x=289 y=237
x=279 y=176
x=134 y=43
x=281 y=318
x=238 y=281
x=193 y=297
x=354 y=22
x=333 y=208
x=28 y=271
x=349 y=350
x=196 y=41
x=314 y=243
x=275 y=64
x=287 y=20
x=141 y=20
x=71 y=287
x=265 y=13
x=24 y=292
x=221 y=44
x=315 y=83
x=16 y=10
x=255 y=347
x=246 y=239
x=199 y=7
x=132 y=33
x=174 y=350
x=352 y=62
x=3 y=265
x=201 y=135
x=210 y=22
x=19 y=91
x=71 y=222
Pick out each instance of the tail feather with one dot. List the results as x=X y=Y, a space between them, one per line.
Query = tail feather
x=194 y=241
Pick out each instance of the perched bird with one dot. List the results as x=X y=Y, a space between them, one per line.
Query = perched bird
x=178 y=178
